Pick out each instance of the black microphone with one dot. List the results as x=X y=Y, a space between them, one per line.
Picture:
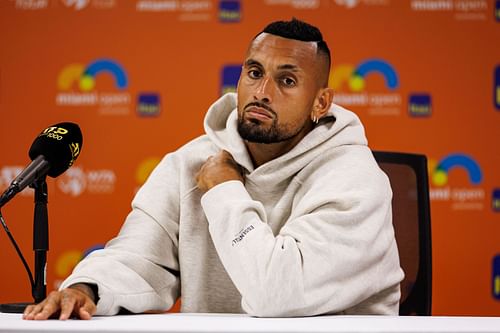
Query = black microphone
x=52 y=153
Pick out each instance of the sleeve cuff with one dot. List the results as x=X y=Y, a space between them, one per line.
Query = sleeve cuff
x=222 y=193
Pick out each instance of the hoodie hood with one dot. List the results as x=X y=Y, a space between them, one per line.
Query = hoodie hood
x=339 y=127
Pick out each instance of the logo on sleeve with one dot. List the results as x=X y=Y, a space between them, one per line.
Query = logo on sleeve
x=242 y=234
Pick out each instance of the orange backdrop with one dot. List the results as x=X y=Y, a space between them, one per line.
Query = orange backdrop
x=423 y=75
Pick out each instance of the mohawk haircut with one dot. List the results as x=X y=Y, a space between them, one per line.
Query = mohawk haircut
x=299 y=30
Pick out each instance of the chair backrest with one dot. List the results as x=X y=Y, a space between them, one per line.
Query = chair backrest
x=412 y=224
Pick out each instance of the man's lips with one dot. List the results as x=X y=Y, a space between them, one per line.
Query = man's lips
x=259 y=113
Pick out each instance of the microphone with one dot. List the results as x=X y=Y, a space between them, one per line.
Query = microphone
x=53 y=152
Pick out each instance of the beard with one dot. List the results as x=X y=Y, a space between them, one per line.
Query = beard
x=254 y=131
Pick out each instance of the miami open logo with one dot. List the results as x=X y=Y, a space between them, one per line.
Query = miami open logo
x=464 y=194
x=78 y=85
x=356 y=86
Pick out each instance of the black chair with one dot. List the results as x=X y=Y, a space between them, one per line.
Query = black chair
x=412 y=223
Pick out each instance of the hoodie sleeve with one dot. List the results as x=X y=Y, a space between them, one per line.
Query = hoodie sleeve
x=336 y=251
x=138 y=270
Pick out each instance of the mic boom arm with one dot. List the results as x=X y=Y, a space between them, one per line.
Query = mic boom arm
x=35 y=170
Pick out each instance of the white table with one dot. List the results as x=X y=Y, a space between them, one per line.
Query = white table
x=13 y=323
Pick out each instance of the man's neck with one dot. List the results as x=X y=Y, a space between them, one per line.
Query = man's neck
x=261 y=153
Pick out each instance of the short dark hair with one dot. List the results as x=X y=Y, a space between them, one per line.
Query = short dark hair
x=299 y=30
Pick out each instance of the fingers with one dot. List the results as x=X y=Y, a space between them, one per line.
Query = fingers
x=83 y=314
x=68 y=301
x=217 y=169
x=30 y=311
x=87 y=310
x=44 y=309
x=228 y=158
x=78 y=303
x=67 y=304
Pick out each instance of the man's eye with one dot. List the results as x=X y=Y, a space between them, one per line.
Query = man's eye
x=289 y=82
x=254 y=74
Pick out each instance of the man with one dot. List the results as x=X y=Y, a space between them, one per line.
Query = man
x=279 y=210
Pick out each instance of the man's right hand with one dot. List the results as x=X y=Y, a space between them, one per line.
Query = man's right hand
x=75 y=300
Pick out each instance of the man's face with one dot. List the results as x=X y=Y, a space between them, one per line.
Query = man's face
x=277 y=88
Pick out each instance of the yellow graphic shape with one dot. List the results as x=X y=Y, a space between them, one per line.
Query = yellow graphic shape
x=87 y=83
x=340 y=74
x=431 y=166
x=74 y=147
x=145 y=168
x=68 y=75
x=438 y=177
x=497 y=285
x=356 y=83
x=67 y=261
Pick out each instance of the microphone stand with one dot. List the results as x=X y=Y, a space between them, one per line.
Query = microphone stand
x=40 y=240
x=40 y=247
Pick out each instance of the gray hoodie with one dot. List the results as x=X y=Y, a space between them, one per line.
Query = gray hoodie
x=308 y=233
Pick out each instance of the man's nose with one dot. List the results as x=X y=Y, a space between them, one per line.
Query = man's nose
x=264 y=90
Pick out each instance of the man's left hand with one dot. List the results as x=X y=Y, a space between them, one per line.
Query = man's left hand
x=218 y=169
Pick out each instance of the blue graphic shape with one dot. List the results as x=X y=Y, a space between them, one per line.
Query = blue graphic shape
x=230 y=76
x=149 y=98
x=382 y=67
x=497 y=10
x=496 y=88
x=92 y=249
x=110 y=66
x=419 y=105
x=229 y=11
x=495 y=279
x=464 y=161
x=495 y=200
x=148 y=104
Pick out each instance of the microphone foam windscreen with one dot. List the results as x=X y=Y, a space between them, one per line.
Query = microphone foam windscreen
x=60 y=144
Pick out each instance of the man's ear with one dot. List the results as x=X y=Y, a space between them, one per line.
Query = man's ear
x=322 y=102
